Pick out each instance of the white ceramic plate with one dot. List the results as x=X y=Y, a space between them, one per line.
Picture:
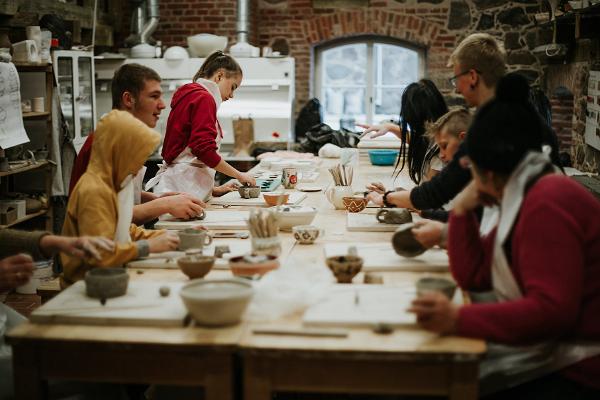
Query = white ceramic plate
x=307 y=188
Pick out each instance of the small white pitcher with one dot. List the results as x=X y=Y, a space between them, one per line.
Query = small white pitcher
x=335 y=195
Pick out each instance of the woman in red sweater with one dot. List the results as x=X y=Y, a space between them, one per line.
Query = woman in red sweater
x=541 y=262
x=191 y=145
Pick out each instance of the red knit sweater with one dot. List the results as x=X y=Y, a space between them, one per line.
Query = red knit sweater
x=192 y=123
x=555 y=258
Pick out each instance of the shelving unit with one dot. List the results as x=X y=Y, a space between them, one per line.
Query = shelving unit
x=581 y=23
x=7 y=179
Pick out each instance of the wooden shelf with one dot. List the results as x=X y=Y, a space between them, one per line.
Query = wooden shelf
x=25 y=218
x=33 y=67
x=38 y=164
x=35 y=115
x=589 y=18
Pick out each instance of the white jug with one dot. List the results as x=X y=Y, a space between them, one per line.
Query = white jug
x=335 y=195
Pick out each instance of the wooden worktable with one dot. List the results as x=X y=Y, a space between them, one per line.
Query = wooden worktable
x=407 y=361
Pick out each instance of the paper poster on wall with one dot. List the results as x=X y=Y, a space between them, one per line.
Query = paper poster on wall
x=592 y=121
x=12 y=132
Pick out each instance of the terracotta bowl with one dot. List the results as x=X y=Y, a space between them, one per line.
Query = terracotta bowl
x=245 y=266
x=216 y=302
x=433 y=284
x=106 y=283
x=196 y=266
x=345 y=267
x=274 y=199
x=355 y=204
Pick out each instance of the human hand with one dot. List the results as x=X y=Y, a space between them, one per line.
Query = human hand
x=376 y=187
x=166 y=242
x=435 y=312
x=167 y=194
x=379 y=130
x=183 y=205
x=80 y=247
x=15 y=271
x=376 y=198
x=246 y=179
x=225 y=188
x=428 y=232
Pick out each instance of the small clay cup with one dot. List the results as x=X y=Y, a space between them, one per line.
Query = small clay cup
x=249 y=192
x=345 y=267
x=394 y=216
x=106 y=283
x=191 y=238
x=253 y=264
x=306 y=234
x=404 y=242
x=355 y=204
x=433 y=284
x=196 y=266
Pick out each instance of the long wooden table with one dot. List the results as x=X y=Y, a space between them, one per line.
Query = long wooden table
x=407 y=361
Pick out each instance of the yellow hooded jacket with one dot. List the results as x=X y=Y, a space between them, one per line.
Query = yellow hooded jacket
x=122 y=143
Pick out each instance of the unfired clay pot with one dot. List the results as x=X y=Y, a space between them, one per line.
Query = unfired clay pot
x=434 y=284
x=345 y=267
x=249 y=192
x=106 y=283
x=404 y=242
x=196 y=266
x=394 y=216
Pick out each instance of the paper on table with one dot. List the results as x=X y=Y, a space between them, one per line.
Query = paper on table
x=12 y=132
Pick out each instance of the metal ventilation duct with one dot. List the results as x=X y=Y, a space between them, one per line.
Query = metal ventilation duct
x=144 y=21
x=242 y=21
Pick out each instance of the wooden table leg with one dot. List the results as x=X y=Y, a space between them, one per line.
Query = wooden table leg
x=256 y=383
x=465 y=381
x=219 y=383
x=28 y=381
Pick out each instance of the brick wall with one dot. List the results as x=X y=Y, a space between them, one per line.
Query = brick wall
x=437 y=25
x=562 y=120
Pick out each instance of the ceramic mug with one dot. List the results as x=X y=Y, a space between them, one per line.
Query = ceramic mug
x=307 y=234
x=194 y=239
x=336 y=195
x=289 y=177
x=394 y=216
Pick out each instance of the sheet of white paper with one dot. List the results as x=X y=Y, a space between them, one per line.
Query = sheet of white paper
x=12 y=132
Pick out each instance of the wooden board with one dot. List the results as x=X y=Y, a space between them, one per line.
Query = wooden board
x=362 y=306
x=222 y=220
x=168 y=260
x=366 y=222
x=234 y=199
x=142 y=305
x=382 y=257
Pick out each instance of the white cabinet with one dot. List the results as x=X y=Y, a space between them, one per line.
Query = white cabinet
x=74 y=72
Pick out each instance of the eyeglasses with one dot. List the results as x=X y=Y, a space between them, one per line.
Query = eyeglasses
x=455 y=77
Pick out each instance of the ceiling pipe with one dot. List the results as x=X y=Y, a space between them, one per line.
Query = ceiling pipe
x=242 y=21
x=152 y=23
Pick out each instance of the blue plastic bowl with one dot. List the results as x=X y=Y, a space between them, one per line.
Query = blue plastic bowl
x=383 y=157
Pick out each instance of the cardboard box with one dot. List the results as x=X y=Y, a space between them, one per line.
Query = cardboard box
x=9 y=216
x=19 y=205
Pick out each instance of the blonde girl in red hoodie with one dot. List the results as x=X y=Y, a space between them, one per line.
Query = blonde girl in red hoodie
x=191 y=146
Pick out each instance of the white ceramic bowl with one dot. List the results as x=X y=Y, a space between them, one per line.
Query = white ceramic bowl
x=176 y=53
x=143 y=50
x=290 y=216
x=204 y=44
x=216 y=302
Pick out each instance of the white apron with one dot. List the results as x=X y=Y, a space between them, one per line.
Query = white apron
x=508 y=366
x=187 y=174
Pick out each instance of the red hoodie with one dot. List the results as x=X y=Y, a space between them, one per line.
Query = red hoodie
x=192 y=123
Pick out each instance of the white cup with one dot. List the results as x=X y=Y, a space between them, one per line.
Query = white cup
x=34 y=33
x=30 y=287
x=37 y=104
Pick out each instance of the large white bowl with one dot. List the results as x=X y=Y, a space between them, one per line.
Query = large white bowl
x=204 y=44
x=216 y=302
x=290 y=216
x=143 y=50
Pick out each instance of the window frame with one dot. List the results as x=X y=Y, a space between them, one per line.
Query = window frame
x=370 y=41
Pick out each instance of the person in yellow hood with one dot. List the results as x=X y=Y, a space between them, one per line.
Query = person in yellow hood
x=101 y=203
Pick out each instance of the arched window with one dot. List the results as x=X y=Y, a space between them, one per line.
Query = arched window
x=361 y=80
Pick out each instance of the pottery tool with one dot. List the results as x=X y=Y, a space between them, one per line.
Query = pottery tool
x=238 y=235
x=342 y=175
x=262 y=223
x=334 y=333
x=381 y=257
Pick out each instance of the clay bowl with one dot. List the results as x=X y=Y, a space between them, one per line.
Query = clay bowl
x=106 y=283
x=404 y=242
x=216 y=302
x=252 y=264
x=249 y=192
x=274 y=199
x=345 y=267
x=355 y=204
x=196 y=266
x=433 y=284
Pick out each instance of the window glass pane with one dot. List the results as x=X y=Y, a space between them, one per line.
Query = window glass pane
x=395 y=65
x=387 y=103
x=345 y=65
